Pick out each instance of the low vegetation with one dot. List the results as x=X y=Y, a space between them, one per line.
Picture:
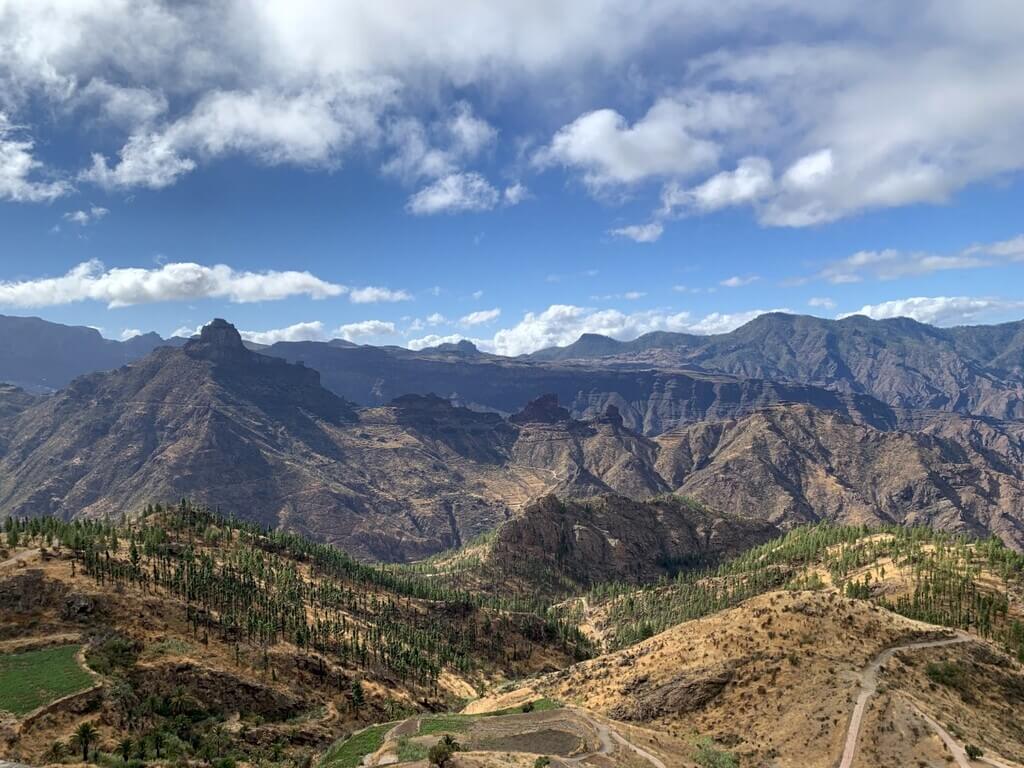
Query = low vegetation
x=34 y=678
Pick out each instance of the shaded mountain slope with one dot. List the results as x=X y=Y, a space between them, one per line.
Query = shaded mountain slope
x=45 y=356
x=650 y=400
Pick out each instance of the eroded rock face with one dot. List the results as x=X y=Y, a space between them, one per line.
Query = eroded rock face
x=644 y=701
x=29 y=591
x=613 y=538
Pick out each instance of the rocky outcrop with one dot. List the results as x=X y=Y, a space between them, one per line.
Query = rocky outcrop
x=644 y=700
x=614 y=538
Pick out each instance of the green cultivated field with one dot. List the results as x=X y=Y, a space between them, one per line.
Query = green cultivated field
x=32 y=679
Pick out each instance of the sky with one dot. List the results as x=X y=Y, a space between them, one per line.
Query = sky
x=411 y=172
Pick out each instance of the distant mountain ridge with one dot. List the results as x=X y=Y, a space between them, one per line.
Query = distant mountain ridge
x=873 y=370
x=906 y=364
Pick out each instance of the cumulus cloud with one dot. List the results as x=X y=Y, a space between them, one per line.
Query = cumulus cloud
x=455 y=193
x=365 y=329
x=309 y=331
x=940 y=310
x=20 y=171
x=674 y=138
x=130 y=333
x=434 y=340
x=126 y=286
x=562 y=324
x=640 y=233
x=372 y=294
x=821 y=302
x=516 y=193
x=749 y=182
x=305 y=129
x=480 y=316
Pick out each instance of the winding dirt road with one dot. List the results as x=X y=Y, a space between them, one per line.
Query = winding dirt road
x=869 y=686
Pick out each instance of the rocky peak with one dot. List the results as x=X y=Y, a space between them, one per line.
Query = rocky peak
x=543 y=410
x=220 y=341
x=611 y=416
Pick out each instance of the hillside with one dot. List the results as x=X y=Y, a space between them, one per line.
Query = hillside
x=206 y=639
x=774 y=681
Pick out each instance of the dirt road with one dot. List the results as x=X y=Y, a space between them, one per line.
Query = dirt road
x=869 y=685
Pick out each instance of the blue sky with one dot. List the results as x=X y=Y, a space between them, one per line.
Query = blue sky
x=514 y=176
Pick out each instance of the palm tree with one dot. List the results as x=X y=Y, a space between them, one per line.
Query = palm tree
x=125 y=748
x=58 y=751
x=157 y=740
x=85 y=735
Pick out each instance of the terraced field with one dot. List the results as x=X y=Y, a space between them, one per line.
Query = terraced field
x=31 y=679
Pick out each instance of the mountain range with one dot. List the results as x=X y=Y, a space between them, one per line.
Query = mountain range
x=217 y=422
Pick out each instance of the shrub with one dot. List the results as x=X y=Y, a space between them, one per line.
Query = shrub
x=975 y=752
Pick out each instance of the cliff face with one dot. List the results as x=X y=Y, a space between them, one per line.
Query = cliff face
x=615 y=538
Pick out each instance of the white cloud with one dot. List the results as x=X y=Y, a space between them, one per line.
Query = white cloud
x=84 y=218
x=125 y=286
x=821 y=303
x=562 y=324
x=373 y=294
x=310 y=331
x=436 y=319
x=940 y=310
x=515 y=194
x=674 y=138
x=130 y=333
x=738 y=281
x=365 y=329
x=477 y=295
x=455 y=193
x=434 y=340
x=439 y=149
x=892 y=264
x=749 y=182
x=723 y=322
x=305 y=129
x=640 y=233
x=480 y=316
x=19 y=169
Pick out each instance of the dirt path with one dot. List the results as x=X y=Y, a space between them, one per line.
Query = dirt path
x=608 y=737
x=869 y=685
x=21 y=557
